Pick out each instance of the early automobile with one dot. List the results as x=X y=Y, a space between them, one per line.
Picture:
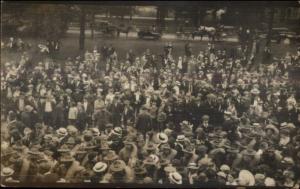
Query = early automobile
x=279 y=34
x=146 y=34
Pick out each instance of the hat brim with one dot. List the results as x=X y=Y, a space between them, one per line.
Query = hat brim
x=146 y=162
x=117 y=169
x=169 y=169
x=99 y=170
x=175 y=181
x=7 y=175
x=110 y=158
x=33 y=153
x=140 y=171
x=67 y=160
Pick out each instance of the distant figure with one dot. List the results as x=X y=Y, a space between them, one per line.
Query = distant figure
x=188 y=49
x=267 y=56
x=154 y=29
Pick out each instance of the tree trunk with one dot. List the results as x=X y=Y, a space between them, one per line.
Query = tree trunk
x=82 y=30
x=106 y=12
x=92 y=25
x=162 y=17
x=195 y=17
x=282 y=15
x=270 y=26
x=131 y=10
x=158 y=16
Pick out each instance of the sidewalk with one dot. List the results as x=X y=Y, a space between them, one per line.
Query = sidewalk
x=165 y=36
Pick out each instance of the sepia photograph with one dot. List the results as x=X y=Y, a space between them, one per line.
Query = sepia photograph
x=161 y=94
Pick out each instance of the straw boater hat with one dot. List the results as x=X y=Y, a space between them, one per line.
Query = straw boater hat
x=139 y=169
x=71 y=140
x=48 y=137
x=28 y=108
x=288 y=161
x=111 y=155
x=150 y=147
x=175 y=178
x=162 y=137
x=117 y=131
x=34 y=151
x=64 y=148
x=62 y=132
x=188 y=149
x=7 y=171
x=180 y=138
x=259 y=177
x=270 y=182
x=151 y=160
x=184 y=123
x=80 y=151
x=255 y=91
x=249 y=152
x=99 y=167
x=117 y=166
x=169 y=169
x=109 y=125
x=246 y=178
x=222 y=174
x=95 y=131
x=273 y=128
x=205 y=117
x=104 y=146
x=164 y=161
x=90 y=147
x=227 y=113
x=287 y=126
x=193 y=166
x=225 y=168
x=67 y=158
x=165 y=146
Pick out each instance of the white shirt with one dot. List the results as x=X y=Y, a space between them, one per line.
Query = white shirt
x=179 y=64
x=73 y=113
x=21 y=104
x=137 y=96
x=109 y=98
x=85 y=103
x=48 y=106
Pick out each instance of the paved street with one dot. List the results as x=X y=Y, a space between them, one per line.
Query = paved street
x=165 y=36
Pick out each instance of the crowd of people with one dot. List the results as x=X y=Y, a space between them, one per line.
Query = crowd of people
x=204 y=118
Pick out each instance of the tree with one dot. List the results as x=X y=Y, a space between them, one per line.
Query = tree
x=82 y=28
x=160 y=16
x=270 y=26
x=50 y=20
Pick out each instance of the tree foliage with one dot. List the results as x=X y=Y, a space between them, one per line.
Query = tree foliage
x=51 y=20
x=48 y=21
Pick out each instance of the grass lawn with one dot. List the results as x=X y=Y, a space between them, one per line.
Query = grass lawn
x=70 y=47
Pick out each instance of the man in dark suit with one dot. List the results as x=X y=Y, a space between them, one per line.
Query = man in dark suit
x=128 y=113
x=139 y=100
x=143 y=123
x=101 y=118
x=205 y=125
x=116 y=109
x=28 y=117
x=88 y=109
x=58 y=114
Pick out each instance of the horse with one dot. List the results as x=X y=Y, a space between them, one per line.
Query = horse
x=212 y=33
x=203 y=30
x=124 y=30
